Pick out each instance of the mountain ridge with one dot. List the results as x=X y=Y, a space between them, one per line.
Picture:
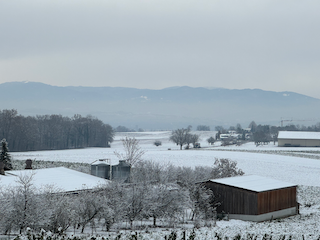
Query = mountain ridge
x=166 y=108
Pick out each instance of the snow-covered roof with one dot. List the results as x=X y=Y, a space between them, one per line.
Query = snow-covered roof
x=60 y=178
x=101 y=162
x=298 y=135
x=253 y=183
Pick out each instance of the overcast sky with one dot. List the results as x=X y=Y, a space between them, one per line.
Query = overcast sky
x=270 y=45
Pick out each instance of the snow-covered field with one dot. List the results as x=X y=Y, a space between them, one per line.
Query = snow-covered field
x=267 y=160
x=295 y=165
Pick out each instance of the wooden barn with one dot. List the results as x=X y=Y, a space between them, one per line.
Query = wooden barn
x=254 y=198
x=298 y=139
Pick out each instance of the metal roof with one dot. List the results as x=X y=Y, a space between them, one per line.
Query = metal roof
x=253 y=183
x=298 y=135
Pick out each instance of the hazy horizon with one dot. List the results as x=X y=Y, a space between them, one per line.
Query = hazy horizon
x=161 y=109
x=268 y=45
x=171 y=87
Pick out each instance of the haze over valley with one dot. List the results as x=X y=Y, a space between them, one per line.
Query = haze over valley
x=164 y=109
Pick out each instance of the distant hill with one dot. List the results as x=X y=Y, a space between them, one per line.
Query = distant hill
x=168 y=108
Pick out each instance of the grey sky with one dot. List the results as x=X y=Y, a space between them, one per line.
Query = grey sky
x=271 y=45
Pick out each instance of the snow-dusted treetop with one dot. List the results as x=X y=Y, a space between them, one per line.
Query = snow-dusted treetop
x=254 y=183
x=60 y=178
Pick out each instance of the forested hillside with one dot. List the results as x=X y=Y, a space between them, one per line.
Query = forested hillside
x=164 y=109
x=49 y=132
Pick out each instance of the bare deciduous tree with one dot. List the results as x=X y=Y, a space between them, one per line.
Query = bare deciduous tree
x=88 y=207
x=211 y=140
x=133 y=152
x=60 y=211
x=193 y=138
x=201 y=202
x=23 y=208
x=224 y=167
x=180 y=136
x=165 y=201
x=114 y=204
x=135 y=201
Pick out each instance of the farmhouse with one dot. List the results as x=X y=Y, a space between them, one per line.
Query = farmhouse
x=59 y=179
x=298 y=139
x=254 y=198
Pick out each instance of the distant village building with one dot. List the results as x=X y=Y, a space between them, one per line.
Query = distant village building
x=298 y=139
x=254 y=198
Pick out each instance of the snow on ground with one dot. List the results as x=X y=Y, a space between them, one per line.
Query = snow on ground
x=251 y=159
x=265 y=160
x=58 y=179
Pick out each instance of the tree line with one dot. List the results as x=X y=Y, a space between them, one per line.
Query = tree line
x=269 y=128
x=52 y=132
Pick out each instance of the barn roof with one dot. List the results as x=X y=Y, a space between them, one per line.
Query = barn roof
x=60 y=178
x=253 y=183
x=298 y=135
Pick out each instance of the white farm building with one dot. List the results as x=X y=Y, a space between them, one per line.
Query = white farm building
x=298 y=139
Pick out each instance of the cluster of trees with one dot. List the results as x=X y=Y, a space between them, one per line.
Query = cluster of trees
x=44 y=132
x=290 y=127
x=121 y=128
x=211 y=140
x=260 y=134
x=183 y=136
x=203 y=128
x=269 y=128
x=155 y=192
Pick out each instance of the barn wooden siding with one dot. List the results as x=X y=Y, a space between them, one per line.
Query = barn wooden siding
x=235 y=200
x=275 y=200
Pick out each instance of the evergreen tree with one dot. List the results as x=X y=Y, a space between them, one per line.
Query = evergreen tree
x=5 y=156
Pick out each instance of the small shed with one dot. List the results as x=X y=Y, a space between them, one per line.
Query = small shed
x=298 y=139
x=254 y=198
